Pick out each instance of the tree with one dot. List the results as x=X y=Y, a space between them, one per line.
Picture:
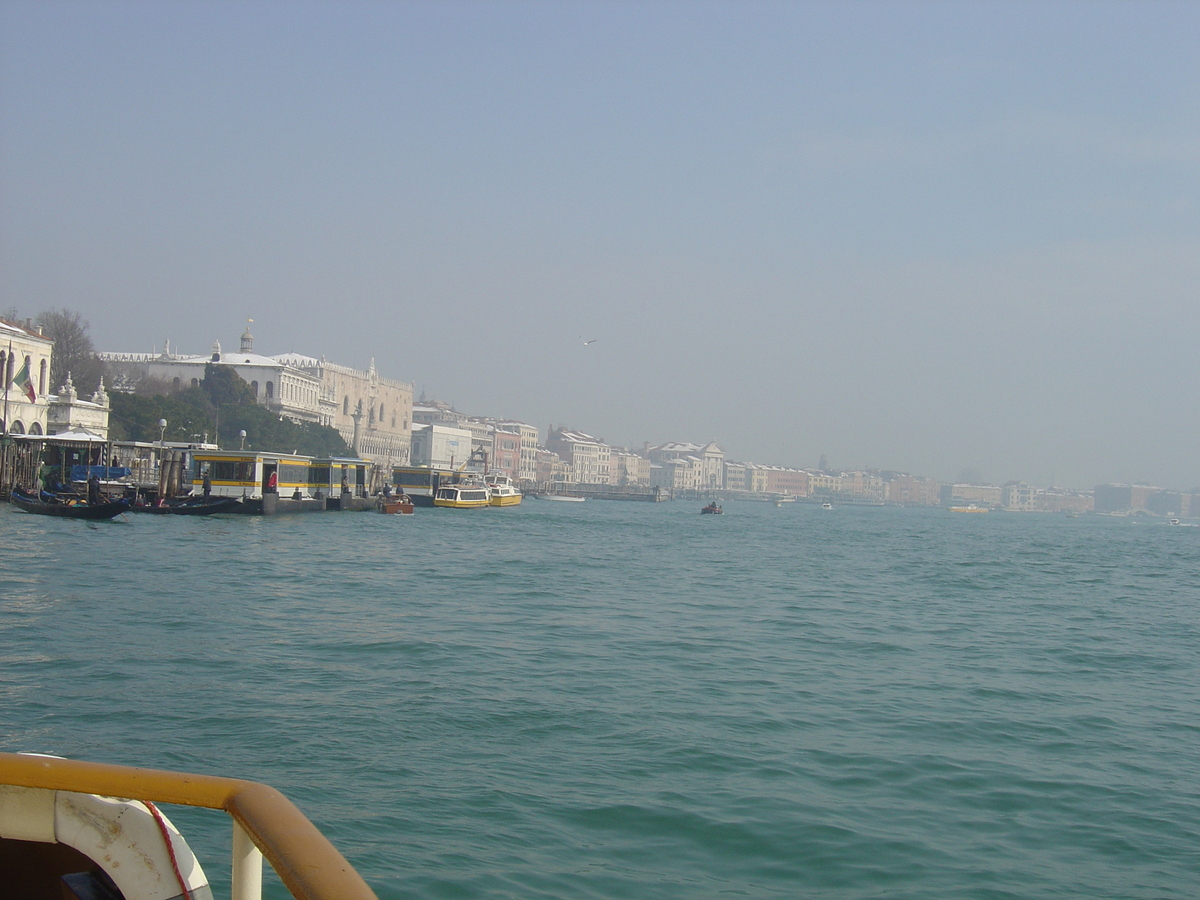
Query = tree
x=73 y=350
x=225 y=387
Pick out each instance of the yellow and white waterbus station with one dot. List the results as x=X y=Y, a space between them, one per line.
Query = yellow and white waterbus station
x=275 y=483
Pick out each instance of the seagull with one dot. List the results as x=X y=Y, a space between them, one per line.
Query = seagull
x=585 y=343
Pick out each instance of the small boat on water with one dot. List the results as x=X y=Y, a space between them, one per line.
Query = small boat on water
x=67 y=507
x=401 y=505
x=464 y=495
x=826 y=505
x=501 y=490
x=565 y=498
x=191 y=506
x=712 y=510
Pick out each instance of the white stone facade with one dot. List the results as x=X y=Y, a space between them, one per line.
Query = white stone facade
x=21 y=344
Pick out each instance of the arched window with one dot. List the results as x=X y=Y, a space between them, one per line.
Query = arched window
x=254 y=388
x=380 y=412
x=345 y=406
x=270 y=390
x=195 y=382
x=35 y=428
x=175 y=384
x=18 y=427
x=42 y=379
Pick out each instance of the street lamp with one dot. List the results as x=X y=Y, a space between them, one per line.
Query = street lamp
x=242 y=435
x=162 y=430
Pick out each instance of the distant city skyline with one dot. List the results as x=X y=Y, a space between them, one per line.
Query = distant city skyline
x=931 y=237
x=420 y=397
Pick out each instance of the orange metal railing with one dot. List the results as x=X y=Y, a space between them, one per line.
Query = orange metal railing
x=308 y=865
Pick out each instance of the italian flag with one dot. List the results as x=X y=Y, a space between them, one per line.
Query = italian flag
x=22 y=381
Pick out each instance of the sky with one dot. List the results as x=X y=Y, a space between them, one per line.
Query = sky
x=955 y=239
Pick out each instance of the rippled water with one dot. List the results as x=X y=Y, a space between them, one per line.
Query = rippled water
x=609 y=700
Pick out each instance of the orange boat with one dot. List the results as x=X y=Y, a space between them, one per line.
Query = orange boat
x=402 y=505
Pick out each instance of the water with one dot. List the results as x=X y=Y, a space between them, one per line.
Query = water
x=619 y=700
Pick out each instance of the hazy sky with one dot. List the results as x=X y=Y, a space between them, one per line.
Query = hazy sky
x=921 y=236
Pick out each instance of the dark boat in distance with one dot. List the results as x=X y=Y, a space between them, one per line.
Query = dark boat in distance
x=712 y=510
x=67 y=509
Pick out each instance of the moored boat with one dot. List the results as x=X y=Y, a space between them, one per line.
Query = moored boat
x=397 y=506
x=565 y=498
x=191 y=506
x=464 y=495
x=501 y=490
x=67 y=508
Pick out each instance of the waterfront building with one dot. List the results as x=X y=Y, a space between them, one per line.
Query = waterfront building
x=913 y=490
x=281 y=388
x=25 y=348
x=823 y=484
x=588 y=457
x=735 y=476
x=506 y=451
x=628 y=468
x=782 y=480
x=66 y=412
x=683 y=473
x=1017 y=496
x=1059 y=501
x=528 y=435
x=863 y=486
x=988 y=495
x=756 y=478
x=1119 y=498
x=440 y=446
x=551 y=469
x=712 y=460
x=373 y=414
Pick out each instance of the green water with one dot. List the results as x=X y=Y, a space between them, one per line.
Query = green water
x=608 y=700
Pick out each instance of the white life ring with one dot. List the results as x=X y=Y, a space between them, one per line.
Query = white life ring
x=145 y=859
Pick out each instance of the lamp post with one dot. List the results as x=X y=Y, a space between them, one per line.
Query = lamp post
x=242 y=435
x=162 y=452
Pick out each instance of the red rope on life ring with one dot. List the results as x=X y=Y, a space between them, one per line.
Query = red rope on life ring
x=162 y=826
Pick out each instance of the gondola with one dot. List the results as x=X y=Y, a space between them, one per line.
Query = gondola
x=67 y=510
x=192 y=507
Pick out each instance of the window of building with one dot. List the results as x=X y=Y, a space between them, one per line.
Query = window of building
x=42 y=380
x=270 y=390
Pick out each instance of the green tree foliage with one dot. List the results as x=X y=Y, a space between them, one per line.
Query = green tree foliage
x=73 y=350
x=225 y=387
x=221 y=407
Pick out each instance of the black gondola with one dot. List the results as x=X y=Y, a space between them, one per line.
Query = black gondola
x=192 y=507
x=67 y=509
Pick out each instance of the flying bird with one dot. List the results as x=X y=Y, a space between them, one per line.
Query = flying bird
x=585 y=343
